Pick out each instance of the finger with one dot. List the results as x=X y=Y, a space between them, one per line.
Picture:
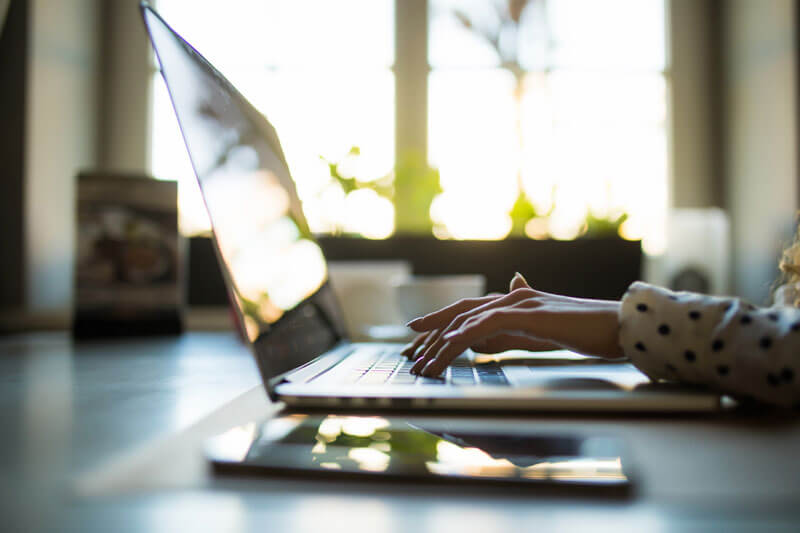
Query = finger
x=412 y=347
x=442 y=317
x=497 y=321
x=511 y=321
x=421 y=358
x=435 y=365
x=425 y=353
x=518 y=282
x=429 y=338
x=421 y=344
x=434 y=345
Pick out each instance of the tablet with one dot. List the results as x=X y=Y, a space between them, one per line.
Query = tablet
x=373 y=447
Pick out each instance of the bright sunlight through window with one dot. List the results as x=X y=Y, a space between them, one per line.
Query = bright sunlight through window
x=544 y=116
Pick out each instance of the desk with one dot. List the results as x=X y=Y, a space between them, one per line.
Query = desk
x=67 y=410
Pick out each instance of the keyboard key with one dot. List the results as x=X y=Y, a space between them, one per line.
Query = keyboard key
x=431 y=381
x=393 y=369
x=494 y=380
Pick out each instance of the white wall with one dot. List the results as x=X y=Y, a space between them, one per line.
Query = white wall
x=692 y=69
x=125 y=117
x=760 y=121
x=61 y=139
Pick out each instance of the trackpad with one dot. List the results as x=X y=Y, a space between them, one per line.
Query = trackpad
x=615 y=376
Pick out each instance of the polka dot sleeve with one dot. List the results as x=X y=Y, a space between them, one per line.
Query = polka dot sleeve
x=724 y=343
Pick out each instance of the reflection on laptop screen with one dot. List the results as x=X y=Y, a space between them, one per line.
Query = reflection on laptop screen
x=275 y=271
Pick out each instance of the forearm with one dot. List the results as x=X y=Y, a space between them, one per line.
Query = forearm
x=589 y=328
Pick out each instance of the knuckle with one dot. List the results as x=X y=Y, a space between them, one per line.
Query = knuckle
x=520 y=294
x=495 y=314
x=469 y=323
x=459 y=320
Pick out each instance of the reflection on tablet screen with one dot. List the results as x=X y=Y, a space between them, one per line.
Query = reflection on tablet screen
x=359 y=444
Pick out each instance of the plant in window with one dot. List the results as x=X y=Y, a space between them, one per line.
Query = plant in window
x=411 y=187
x=348 y=183
x=416 y=184
x=603 y=226
x=521 y=213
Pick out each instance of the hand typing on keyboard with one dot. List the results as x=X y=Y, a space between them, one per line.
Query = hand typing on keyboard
x=524 y=319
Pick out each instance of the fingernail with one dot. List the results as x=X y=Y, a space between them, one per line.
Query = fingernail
x=410 y=323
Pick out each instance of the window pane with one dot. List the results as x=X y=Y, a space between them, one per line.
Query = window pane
x=320 y=113
x=618 y=99
x=537 y=34
x=170 y=160
x=287 y=32
x=320 y=72
x=601 y=149
x=473 y=143
x=577 y=169
x=577 y=114
x=452 y=44
x=627 y=34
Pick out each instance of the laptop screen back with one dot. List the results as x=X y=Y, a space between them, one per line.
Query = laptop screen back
x=275 y=271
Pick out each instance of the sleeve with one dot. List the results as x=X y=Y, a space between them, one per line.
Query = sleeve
x=724 y=343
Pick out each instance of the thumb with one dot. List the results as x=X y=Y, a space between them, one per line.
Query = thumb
x=518 y=282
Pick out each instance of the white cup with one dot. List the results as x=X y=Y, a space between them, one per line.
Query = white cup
x=364 y=293
x=419 y=295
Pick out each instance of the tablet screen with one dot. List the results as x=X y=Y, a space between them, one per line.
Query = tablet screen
x=372 y=445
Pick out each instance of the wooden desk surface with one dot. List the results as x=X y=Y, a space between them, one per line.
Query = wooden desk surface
x=130 y=415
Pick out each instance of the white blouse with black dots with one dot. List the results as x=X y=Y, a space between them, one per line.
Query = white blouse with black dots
x=725 y=343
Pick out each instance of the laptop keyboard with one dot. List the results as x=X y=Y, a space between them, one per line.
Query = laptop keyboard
x=391 y=368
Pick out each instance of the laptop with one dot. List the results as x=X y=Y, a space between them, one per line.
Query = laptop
x=276 y=275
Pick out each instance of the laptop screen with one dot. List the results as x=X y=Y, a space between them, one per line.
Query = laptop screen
x=275 y=271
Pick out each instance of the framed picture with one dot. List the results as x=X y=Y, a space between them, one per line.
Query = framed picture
x=128 y=271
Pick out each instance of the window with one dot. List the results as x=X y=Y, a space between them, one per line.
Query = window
x=563 y=100
x=321 y=72
x=557 y=105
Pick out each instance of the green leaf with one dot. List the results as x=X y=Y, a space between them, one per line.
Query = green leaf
x=416 y=184
x=521 y=212
x=603 y=227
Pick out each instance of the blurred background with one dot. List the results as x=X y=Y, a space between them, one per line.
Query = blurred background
x=542 y=131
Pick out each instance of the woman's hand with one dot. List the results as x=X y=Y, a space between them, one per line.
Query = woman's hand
x=524 y=319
